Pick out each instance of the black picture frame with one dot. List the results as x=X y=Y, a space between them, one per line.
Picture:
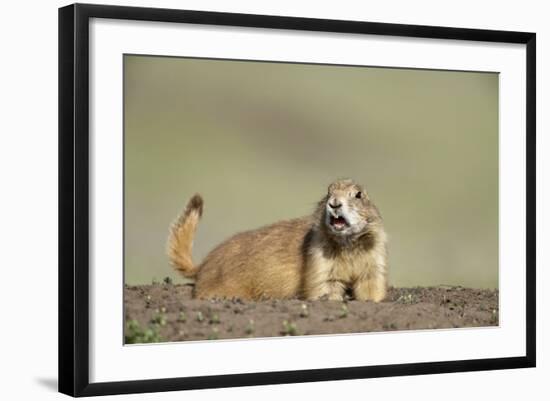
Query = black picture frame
x=74 y=198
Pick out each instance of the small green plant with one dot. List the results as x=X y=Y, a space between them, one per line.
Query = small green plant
x=200 y=317
x=167 y=280
x=214 y=319
x=154 y=281
x=409 y=299
x=249 y=329
x=304 y=312
x=215 y=334
x=344 y=311
x=159 y=317
x=135 y=334
x=289 y=328
x=182 y=318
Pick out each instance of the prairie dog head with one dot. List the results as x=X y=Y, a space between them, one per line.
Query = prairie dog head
x=347 y=211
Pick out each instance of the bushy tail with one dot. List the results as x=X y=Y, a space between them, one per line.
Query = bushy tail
x=180 y=239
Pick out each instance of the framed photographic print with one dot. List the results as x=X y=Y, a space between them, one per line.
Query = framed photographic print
x=300 y=199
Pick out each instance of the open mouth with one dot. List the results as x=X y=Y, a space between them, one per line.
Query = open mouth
x=338 y=222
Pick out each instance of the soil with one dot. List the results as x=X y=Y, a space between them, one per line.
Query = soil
x=167 y=312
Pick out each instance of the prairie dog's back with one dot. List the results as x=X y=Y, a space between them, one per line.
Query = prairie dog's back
x=266 y=262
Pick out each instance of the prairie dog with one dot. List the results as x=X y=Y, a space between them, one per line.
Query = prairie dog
x=340 y=246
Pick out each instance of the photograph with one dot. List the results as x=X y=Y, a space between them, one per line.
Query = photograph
x=275 y=200
x=269 y=199
x=251 y=199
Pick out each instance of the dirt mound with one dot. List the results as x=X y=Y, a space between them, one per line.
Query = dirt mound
x=167 y=312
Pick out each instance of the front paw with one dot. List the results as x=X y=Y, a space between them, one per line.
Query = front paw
x=370 y=291
x=335 y=297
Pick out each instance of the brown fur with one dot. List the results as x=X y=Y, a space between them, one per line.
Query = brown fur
x=302 y=257
x=180 y=239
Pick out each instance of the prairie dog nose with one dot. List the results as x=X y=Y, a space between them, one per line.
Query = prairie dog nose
x=334 y=204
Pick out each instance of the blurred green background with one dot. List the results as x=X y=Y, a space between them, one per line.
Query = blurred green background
x=261 y=142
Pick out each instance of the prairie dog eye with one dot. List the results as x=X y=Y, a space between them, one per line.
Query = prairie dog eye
x=359 y=195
